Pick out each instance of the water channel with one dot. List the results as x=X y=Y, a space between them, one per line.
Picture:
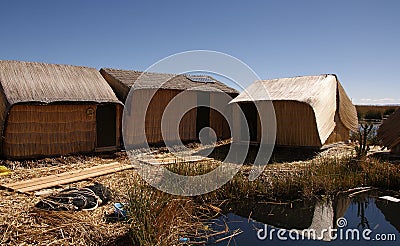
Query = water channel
x=353 y=218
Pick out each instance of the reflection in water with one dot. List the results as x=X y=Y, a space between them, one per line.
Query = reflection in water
x=361 y=206
x=363 y=211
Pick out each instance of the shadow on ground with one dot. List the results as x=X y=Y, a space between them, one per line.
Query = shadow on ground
x=124 y=240
x=387 y=156
x=279 y=154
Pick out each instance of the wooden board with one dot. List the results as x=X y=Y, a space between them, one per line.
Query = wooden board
x=66 y=178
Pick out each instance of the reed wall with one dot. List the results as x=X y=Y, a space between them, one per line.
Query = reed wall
x=220 y=115
x=3 y=115
x=396 y=149
x=43 y=130
x=137 y=131
x=119 y=110
x=53 y=129
x=295 y=124
x=339 y=134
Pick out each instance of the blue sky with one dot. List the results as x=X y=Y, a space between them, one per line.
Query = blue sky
x=357 y=40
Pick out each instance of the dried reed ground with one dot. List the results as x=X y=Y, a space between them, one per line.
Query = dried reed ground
x=22 y=224
x=158 y=218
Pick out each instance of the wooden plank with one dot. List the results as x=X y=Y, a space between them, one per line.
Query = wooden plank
x=72 y=179
x=56 y=181
x=45 y=179
x=65 y=178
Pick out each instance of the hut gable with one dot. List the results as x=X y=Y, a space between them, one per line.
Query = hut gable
x=323 y=93
x=46 y=83
x=123 y=80
x=389 y=131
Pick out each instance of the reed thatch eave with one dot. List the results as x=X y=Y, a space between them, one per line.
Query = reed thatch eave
x=389 y=131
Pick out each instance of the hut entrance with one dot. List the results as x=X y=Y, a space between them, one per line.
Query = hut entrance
x=203 y=112
x=250 y=112
x=106 y=125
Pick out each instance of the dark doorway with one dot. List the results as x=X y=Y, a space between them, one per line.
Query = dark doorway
x=106 y=125
x=203 y=112
x=250 y=112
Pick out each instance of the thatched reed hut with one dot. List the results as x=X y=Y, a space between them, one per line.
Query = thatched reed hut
x=48 y=109
x=162 y=89
x=311 y=111
x=389 y=132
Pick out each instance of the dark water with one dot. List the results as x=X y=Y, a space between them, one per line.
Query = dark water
x=364 y=213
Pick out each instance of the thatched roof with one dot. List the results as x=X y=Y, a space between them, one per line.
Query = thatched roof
x=323 y=93
x=123 y=80
x=46 y=83
x=389 y=131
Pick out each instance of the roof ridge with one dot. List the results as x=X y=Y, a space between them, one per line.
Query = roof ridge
x=158 y=73
x=44 y=63
x=302 y=76
x=137 y=71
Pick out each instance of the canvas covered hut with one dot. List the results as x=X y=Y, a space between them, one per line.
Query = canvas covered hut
x=311 y=111
x=389 y=132
x=48 y=109
x=182 y=91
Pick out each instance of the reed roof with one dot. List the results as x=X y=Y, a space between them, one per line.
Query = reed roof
x=150 y=80
x=389 y=131
x=323 y=93
x=46 y=83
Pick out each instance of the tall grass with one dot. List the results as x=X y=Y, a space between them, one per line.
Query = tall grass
x=158 y=218
x=321 y=176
